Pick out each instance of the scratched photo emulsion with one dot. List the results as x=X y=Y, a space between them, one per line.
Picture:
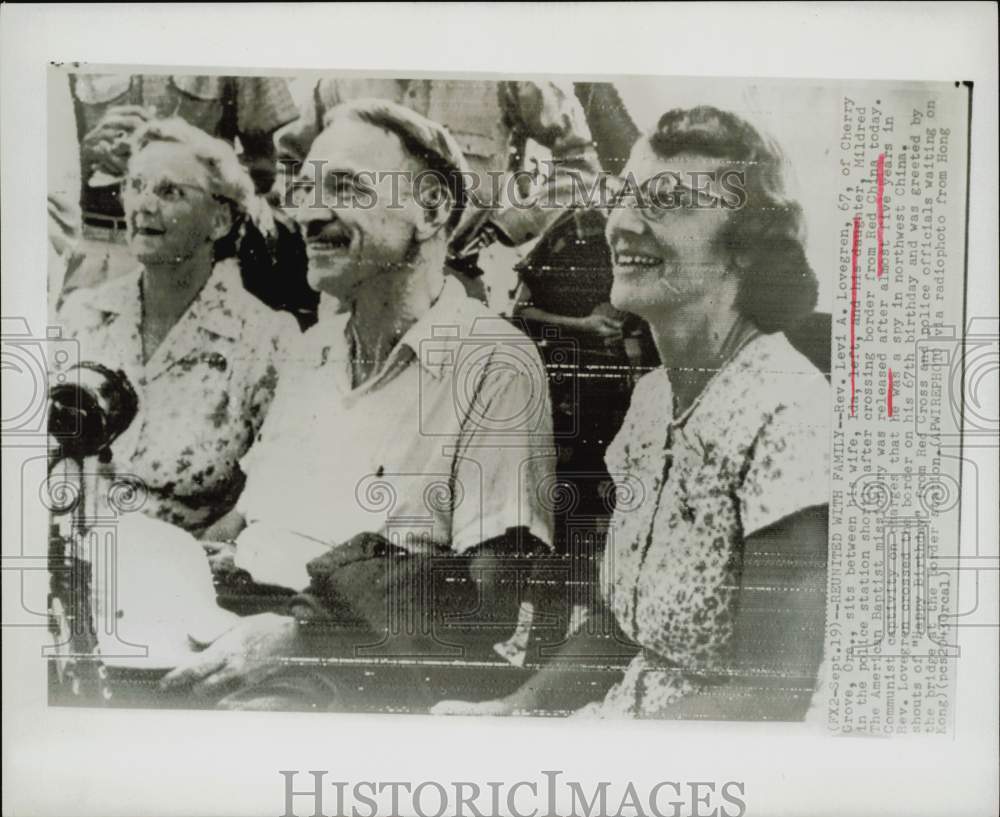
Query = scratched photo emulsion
x=504 y=396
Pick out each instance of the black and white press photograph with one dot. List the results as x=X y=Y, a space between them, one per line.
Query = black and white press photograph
x=385 y=386
x=434 y=395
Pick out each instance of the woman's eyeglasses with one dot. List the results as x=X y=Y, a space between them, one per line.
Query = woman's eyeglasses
x=164 y=189
x=657 y=197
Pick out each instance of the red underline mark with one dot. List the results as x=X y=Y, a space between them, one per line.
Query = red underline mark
x=888 y=397
x=880 y=211
x=855 y=247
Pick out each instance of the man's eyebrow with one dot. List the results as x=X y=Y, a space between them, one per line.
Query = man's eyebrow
x=340 y=176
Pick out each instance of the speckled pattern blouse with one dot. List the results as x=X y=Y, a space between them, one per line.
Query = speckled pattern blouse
x=202 y=395
x=752 y=450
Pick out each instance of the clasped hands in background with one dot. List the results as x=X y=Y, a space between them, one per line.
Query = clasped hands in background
x=106 y=148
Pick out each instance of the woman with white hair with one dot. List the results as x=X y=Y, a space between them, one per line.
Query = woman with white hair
x=200 y=351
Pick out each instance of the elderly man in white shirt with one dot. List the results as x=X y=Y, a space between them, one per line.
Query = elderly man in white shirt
x=411 y=432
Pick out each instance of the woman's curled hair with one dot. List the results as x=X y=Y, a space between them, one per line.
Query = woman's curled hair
x=765 y=237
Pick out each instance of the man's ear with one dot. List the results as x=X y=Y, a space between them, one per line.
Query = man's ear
x=222 y=220
x=436 y=206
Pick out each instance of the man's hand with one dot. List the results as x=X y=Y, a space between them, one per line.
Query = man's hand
x=246 y=654
x=106 y=148
x=361 y=547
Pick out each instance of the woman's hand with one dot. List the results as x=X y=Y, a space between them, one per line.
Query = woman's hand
x=496 y=707
x=226 y=528
x=221 y=557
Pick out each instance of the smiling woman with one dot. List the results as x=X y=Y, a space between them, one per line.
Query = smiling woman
x=200 y=351
x=718 y=579
x=188 y=175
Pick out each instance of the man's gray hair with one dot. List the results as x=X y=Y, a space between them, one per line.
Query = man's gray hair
x=427 y=141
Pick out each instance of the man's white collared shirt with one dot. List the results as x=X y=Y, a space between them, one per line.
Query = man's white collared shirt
x=449 y=444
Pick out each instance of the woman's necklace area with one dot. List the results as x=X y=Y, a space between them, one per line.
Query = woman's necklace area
x=740 y=334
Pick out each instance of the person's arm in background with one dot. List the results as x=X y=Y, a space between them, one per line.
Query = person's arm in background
x=598 y=323
x=295 y=139
x=263 y=105
x=276 y=271
x=106 y=147
x=550 y=114
x=610 y=123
